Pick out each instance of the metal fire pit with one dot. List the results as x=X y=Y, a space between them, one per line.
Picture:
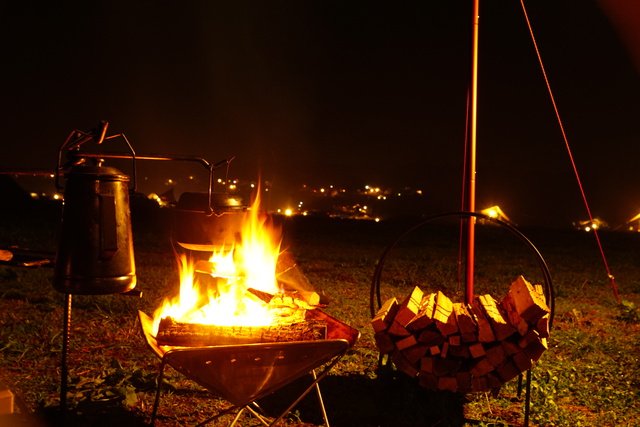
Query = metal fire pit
x=242 y=374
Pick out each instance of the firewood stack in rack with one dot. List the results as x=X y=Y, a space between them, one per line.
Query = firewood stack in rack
x=460 y=347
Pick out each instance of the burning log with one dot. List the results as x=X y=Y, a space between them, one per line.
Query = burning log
x=460 y=347
x=182 y=334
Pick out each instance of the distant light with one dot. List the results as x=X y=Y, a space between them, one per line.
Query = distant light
x=377 y=219
x=322 y=190
x=288 y=212
x=232 y=186
x=191 y=177
x=34 y=195
x=253 y=185
x=57 y=197
x=419 y=192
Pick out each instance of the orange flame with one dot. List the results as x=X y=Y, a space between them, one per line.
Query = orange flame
x=220 y=295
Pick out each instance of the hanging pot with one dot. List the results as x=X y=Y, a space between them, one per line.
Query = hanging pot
x=95 y=255
x=207 y=222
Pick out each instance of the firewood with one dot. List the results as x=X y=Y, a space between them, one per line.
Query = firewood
x=511 y=346
x=415 y=353
x=448 y=366
x=480 y=367
x=536 y=348
x=543 y=326
x=384 y=317
x=511 y=313
x=466 y=324
x=461 y=351
x=443 y=315
x=171 y=332
x=455 y=339
x=477 y=350
x=507 y=371
x=406 y=342
x=424 y=318
x=409 y=307
x=434 y=350
x=431 y=336
x=531 y=336
x=384 y=342
x=496 y=355
x=460 y=347
x=398 y=330
x=448 y=383
x=403 y=364
x=427 y=364
x=485 y=333
x=445 y=349
x=529 y=304
x=498 y=321
x=522 y=361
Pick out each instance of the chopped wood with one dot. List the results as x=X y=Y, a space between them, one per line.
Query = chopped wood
x=464 y=347
x=415 y=353
x=476 y=349
x=384 y=342
x=513 y=316
x=507 y=371
x=424 y=318
x=398 y=330
x=431 y=337
x=443 y=315
x=485 y=333
x=427 y=364
x=467 y=326
x=385 y=315
x=523 y=361
x=454 y=339
x=409 y=307
x=536 y=349
x=406 y=342
x=173 y=333
x=529 y=304
x=543 y=326
x=448 y=383
x=498 y=321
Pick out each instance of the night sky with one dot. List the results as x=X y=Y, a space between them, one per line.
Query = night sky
x=337 y=92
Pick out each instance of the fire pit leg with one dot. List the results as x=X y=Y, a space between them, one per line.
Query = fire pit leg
x=314 y=384
x=158 y=389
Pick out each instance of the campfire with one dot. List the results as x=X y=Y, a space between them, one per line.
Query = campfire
x=246 y=291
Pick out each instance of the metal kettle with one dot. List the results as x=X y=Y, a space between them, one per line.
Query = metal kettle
x=95 y=254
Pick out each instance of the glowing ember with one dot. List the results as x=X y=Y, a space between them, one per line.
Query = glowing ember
x=222 y=291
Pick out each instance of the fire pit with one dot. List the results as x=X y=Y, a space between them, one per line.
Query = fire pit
x=245 y=322
x=245 y=373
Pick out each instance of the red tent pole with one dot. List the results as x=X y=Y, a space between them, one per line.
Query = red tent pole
x=471 y=193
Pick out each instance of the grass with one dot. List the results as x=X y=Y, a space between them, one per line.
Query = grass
x=589 y=376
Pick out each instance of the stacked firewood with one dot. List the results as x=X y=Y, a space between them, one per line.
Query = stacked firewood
x=464 y=347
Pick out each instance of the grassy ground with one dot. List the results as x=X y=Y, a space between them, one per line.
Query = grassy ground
x=588 y=377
